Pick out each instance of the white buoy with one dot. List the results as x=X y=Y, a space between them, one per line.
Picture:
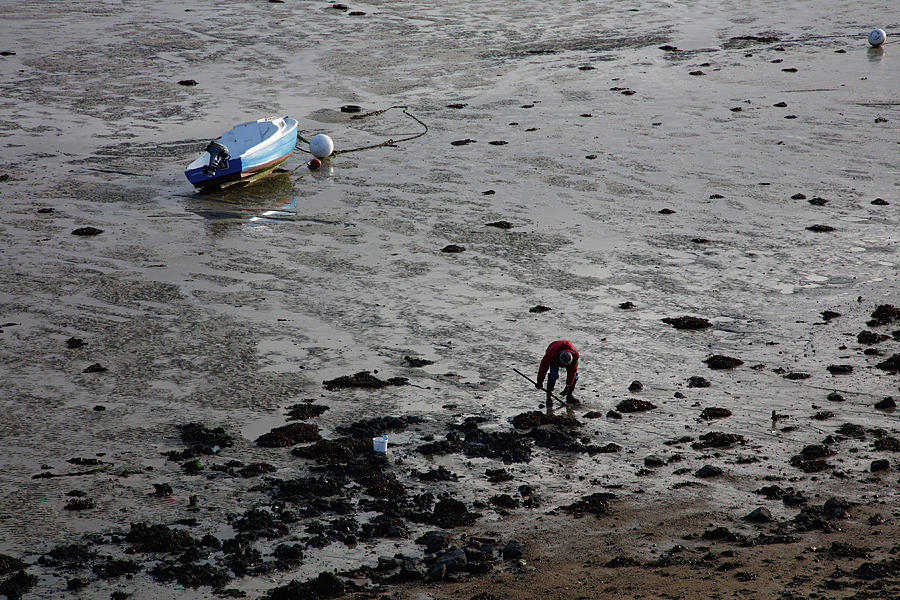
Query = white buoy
x=321 y=145
x=877 y=37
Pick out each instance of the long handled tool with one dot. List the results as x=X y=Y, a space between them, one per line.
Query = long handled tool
x=534 y=383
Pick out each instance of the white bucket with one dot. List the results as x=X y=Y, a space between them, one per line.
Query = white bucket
x=379 y=444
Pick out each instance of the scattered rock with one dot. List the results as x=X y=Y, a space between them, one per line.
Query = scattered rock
x=8 y=564
x=539 y=309
x=462 y=142
x=304 y=411
x=820 y=228
x=500 y=225
x=840 y=369
x=18 y=585
x=880 y=202
x=760 y=515
x=434 y=540
x=870 y=338
x=187 y=82
x=535 y=418
x=653 y=461
x=611 y=414
x=597 y=504
x=626 y=305
x=828 y=315
x=797 y=376
x=834 y=397
x=449 y=513
x=498 y=475
x=453 y=249
x=95 y=368
x=74 y=342
x=363 y=379
x=883 y=315
x=891 y=365
x=886 y=403
x=707 y=471
x=880 y=465
x=636 y=386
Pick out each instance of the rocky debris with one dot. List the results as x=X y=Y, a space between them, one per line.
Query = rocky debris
x=369 y=428
x=712 y=412
x=74 y=342
x=822 y=415
x=636 y=386
x=611 y=414
x=95 y=368
x=539 y=308
x=630 y=405
x=597 y=504
x=653 y=461
x=828 y=315
x=79 y=504
x=304 y=411
x=884 y=569
x=417 y=362
x=500 y=224
x=592 y=414
x=362 y=379
x=891 y=365
x=289 y=435
x=819 y=228
x=535 y=418
x=870 y=338
x=721 y=534
x=453 y=249
x=453 y=560
x=718 y=439
x=687 y=322
x=707 y=471
x=834 y=397
x=887 y=403
x=720 y=361
x=626 y=305
x=794 y=376
x=883 y=315
x=840 y=369
x=698 y=382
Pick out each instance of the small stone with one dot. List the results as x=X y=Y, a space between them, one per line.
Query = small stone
x=798 y=196
x=760 y=515
x=713 y=412
x=698 y=382
x=626 y=305
x=820 y=228
x=653 y=461
x=880 y=202
x=708 y=471
x=880 y=465
x=840 y=369
x=613 y=415
x=87 y=231
x=453 y=249
x=719 y=361
x=187 y=82
x=636 y=386
x=95 y=368
x=886 y=404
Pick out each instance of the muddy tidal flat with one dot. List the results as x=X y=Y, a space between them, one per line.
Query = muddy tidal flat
x=702 y=197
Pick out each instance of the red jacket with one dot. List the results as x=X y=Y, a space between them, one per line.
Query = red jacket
x=551 y=357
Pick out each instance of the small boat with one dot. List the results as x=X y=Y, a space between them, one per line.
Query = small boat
x=244 y=152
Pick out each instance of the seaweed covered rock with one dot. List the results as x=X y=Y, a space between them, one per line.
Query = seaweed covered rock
x=340 y=450
x=535 y=418
x=883 y=315
x=449 y=513
x=718 y=439
x=362 y=379
x=687 y=322
x=720 y=361
x=597 y=504
x=369 y=428
x=631 y=405
x=289 y=435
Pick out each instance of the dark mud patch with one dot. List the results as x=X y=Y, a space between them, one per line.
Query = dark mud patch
x=687 y=322
x=289 y=435
x=364 y=380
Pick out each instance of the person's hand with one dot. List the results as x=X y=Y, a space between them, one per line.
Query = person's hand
x=538 y=386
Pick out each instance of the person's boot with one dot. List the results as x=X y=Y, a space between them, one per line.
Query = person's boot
x=570 y=399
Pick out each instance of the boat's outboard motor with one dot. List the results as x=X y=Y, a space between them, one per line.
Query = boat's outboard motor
x=218 y=157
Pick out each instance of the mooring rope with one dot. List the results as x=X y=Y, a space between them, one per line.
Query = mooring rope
x=388 y=142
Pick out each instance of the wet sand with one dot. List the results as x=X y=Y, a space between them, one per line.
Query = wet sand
x=681 y=181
